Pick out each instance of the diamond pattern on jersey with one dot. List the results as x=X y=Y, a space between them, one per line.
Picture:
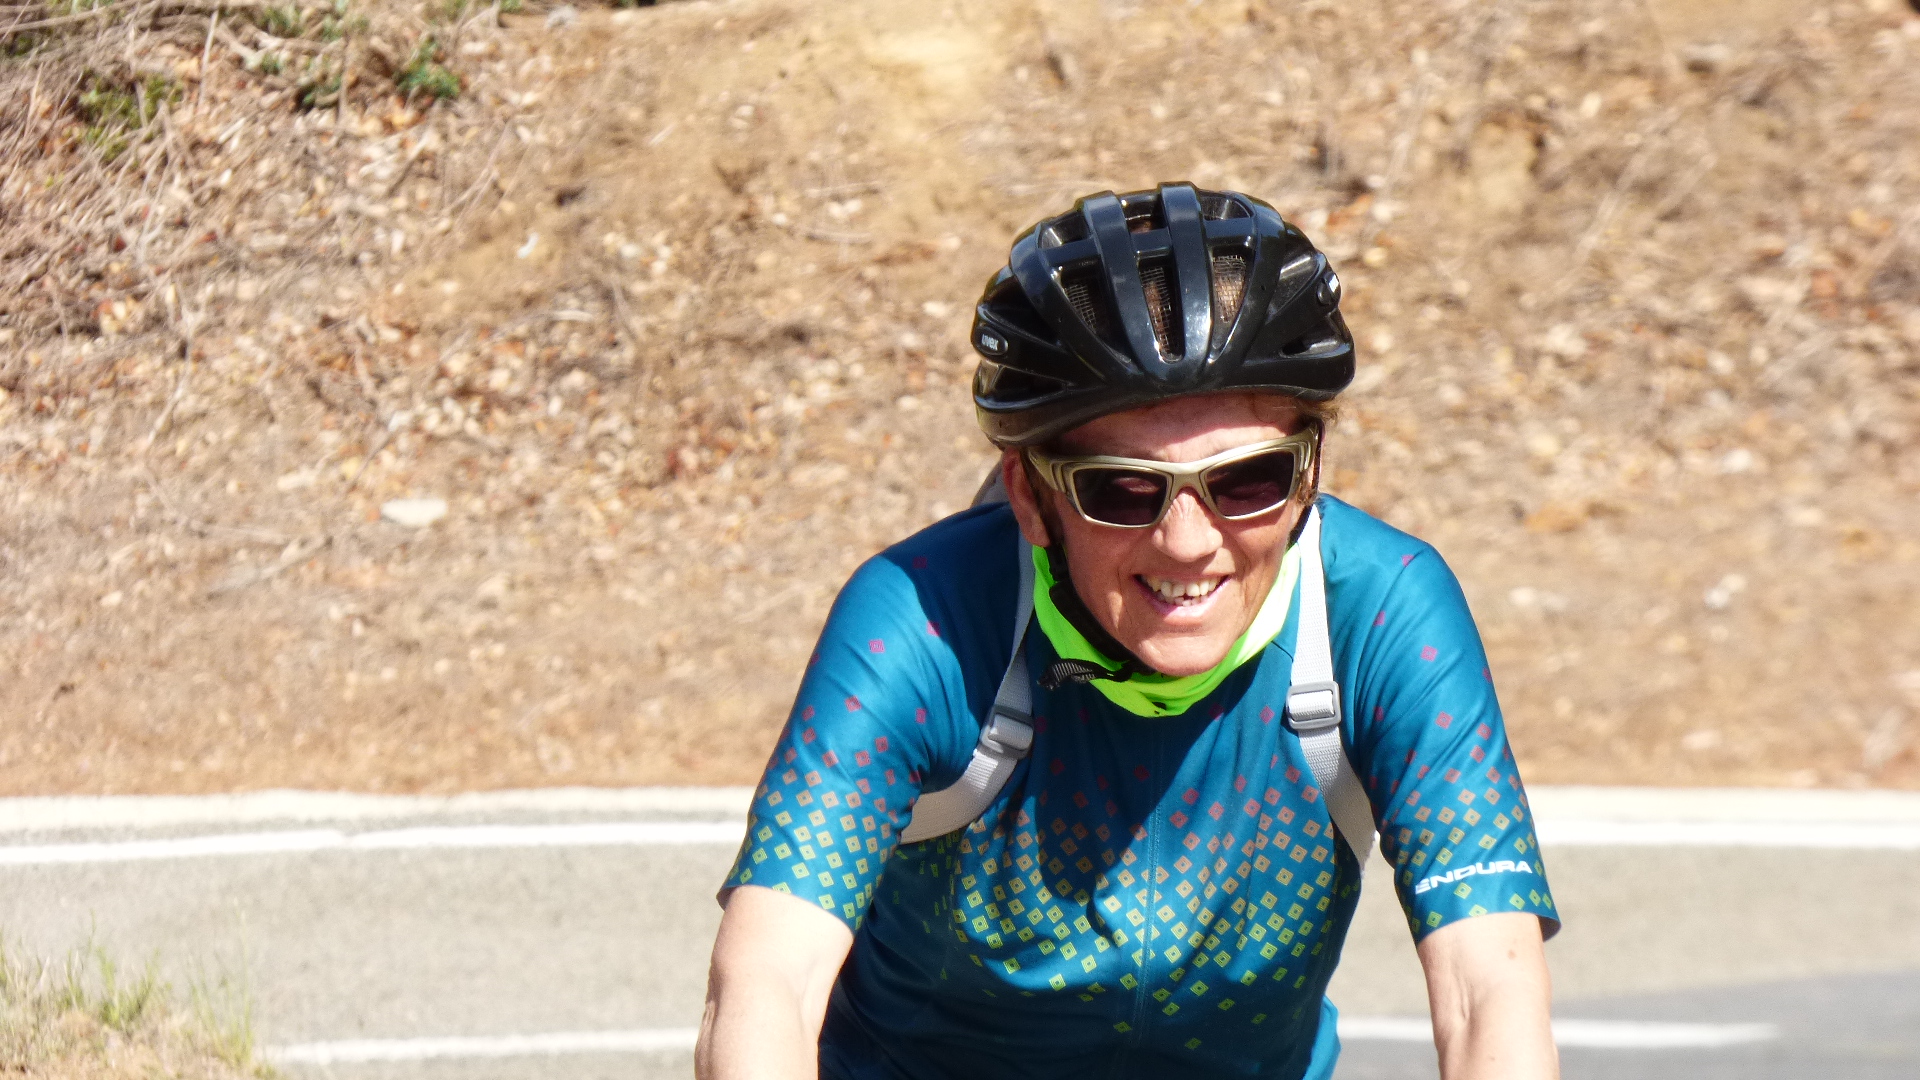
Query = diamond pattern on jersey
x=1474 y=840
x=1243 y=900
x=822 y=833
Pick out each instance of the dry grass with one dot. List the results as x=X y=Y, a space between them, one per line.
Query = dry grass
x=669 y=305
x=88 y=1019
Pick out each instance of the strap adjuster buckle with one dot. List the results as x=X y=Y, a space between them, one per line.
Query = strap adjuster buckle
x=1313 y=706
x=1008 y=732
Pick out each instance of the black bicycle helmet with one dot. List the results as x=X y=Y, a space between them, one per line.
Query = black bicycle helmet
x=1131 y=299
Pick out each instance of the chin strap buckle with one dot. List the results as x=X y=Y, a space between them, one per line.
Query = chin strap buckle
x=1061 y=672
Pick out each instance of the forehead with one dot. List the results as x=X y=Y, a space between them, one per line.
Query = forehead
x=1185 y=429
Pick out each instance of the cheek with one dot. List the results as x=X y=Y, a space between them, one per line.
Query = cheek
x=1258 y=547
x=1099 y=557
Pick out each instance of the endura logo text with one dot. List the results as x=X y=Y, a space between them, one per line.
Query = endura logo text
x=1504 y=866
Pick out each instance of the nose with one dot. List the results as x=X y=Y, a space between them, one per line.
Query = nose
x=1187 y=533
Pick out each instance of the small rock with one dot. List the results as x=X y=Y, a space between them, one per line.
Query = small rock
x=1528 y=598
x=414 y=513
x=1564 y=340
x=562 y=17
x=1707 y=58
x=1558 y=517
x=1703 y=739
x=493 y=590
x=1721 y=596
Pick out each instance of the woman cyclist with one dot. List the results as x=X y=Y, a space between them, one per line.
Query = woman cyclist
x=1123 y=835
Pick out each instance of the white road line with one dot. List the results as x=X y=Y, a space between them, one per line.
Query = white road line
x=355 y=1051
x=1582 y=1034
x=1735 y=805
x=1650 y=1035
x=1386 y=1029
x=1585 y=1034
x=1874 y=836
x=284 y=807
x=592 y=834
x=445 y=837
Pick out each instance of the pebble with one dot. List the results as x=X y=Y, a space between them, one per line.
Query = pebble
x=1720 y=597
x=414 y=513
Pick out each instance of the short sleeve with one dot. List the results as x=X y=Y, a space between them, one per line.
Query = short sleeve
x=1452 y=812
x=872 y=713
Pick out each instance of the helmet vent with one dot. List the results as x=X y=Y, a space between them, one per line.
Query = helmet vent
x=1013 y=384
x=1317 y=336
x=1083 y=292
x=1220 y=207
x=1229 y=289
x=1063 y=231
x=1157 y=282
x=1147 y=218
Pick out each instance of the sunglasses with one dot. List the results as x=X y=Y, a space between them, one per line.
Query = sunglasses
x=1133 y=493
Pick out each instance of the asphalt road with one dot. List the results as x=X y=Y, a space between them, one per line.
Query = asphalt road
x=347 y=922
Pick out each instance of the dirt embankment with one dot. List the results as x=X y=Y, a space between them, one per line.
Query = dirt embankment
x=668 y=306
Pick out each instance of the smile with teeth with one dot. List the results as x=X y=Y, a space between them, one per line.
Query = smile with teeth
x=1181 y=592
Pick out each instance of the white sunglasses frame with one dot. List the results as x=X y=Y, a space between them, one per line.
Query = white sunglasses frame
x=1058 y=473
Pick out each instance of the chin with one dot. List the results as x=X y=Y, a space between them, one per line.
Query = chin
x=1183 y=658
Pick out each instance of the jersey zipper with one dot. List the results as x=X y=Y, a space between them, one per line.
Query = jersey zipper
x=1143 y=990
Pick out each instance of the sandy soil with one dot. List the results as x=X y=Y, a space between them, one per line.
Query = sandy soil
x=669 y=306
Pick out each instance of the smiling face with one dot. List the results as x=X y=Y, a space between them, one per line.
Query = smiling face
x=1181 y=593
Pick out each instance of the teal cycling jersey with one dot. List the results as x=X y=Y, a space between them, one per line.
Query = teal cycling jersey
x=1148 y=896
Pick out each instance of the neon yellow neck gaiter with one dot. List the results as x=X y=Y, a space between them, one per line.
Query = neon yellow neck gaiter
x=1163 y=695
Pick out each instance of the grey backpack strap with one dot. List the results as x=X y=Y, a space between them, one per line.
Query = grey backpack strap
x=1313 y=704
x=1004 y=739
x=991 y=490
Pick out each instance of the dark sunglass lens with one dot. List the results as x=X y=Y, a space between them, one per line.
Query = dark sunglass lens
x=1252 y=485
x=1120 y=496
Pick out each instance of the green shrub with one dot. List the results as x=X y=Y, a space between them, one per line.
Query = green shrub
x=423 y=72
x=89 y=1017
x=283 y=22
x=320 y=93
x=115 y=113
x=94 y=986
